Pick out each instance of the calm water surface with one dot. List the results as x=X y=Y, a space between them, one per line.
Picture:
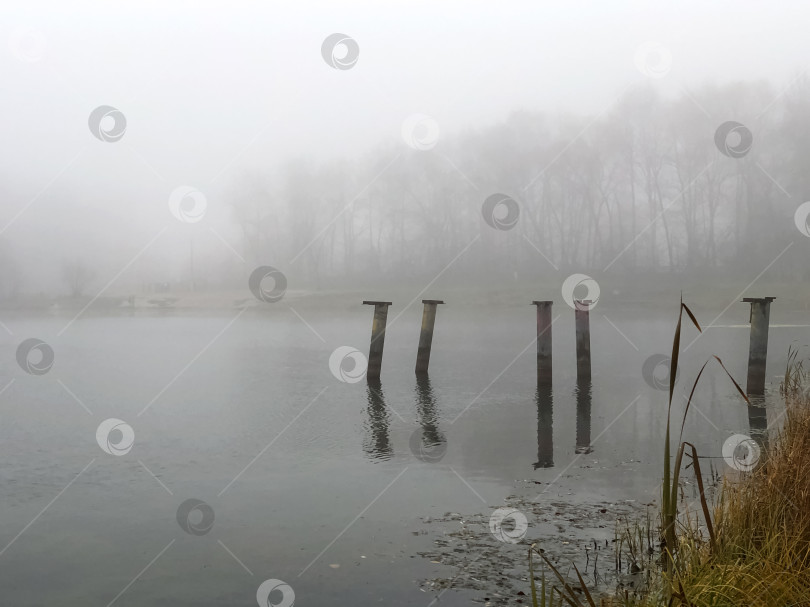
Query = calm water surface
x=313 y=481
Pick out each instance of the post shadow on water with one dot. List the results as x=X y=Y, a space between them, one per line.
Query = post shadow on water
x=428 y=412
x=427 y=442
x=377 y=443
x=583 y=393
x=544 y=397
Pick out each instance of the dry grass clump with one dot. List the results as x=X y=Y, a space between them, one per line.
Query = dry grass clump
x=762 y=523
x=755 y=551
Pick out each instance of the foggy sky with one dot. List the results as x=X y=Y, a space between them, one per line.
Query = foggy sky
x=211 y=90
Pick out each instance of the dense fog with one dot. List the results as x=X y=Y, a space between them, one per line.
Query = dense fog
x=176 y=147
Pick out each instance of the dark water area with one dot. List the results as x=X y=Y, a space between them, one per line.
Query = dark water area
x=328 y=484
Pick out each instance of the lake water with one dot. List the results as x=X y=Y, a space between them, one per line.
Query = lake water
x=311 y=480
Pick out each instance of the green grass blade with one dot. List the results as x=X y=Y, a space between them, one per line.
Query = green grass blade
x=703 y=503
x=585 y=588
x=734 y=381
x=692 y=316
x=531 y=581
x=570 y=598
x=689 y=400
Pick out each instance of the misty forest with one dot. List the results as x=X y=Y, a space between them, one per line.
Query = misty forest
x=638 y=187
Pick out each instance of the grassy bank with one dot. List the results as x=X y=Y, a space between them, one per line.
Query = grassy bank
x=750 y=546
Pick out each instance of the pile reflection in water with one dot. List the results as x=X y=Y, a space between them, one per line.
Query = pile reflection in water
x=427 y=443
x=544 y=398
x=377 y=444
x=583 y=395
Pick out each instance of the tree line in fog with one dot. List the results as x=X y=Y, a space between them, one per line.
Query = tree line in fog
x=648 y=185
x=703 y=182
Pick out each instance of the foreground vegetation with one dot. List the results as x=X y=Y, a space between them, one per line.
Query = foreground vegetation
x=750 y=547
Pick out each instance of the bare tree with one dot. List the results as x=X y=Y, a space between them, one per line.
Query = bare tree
x=77 y=275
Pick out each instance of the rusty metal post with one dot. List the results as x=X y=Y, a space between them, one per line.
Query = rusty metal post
x=758 y=344
x=375 y=350
x=758 y=421
x=583 y=336
x=426 y=335
x=543 y=341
